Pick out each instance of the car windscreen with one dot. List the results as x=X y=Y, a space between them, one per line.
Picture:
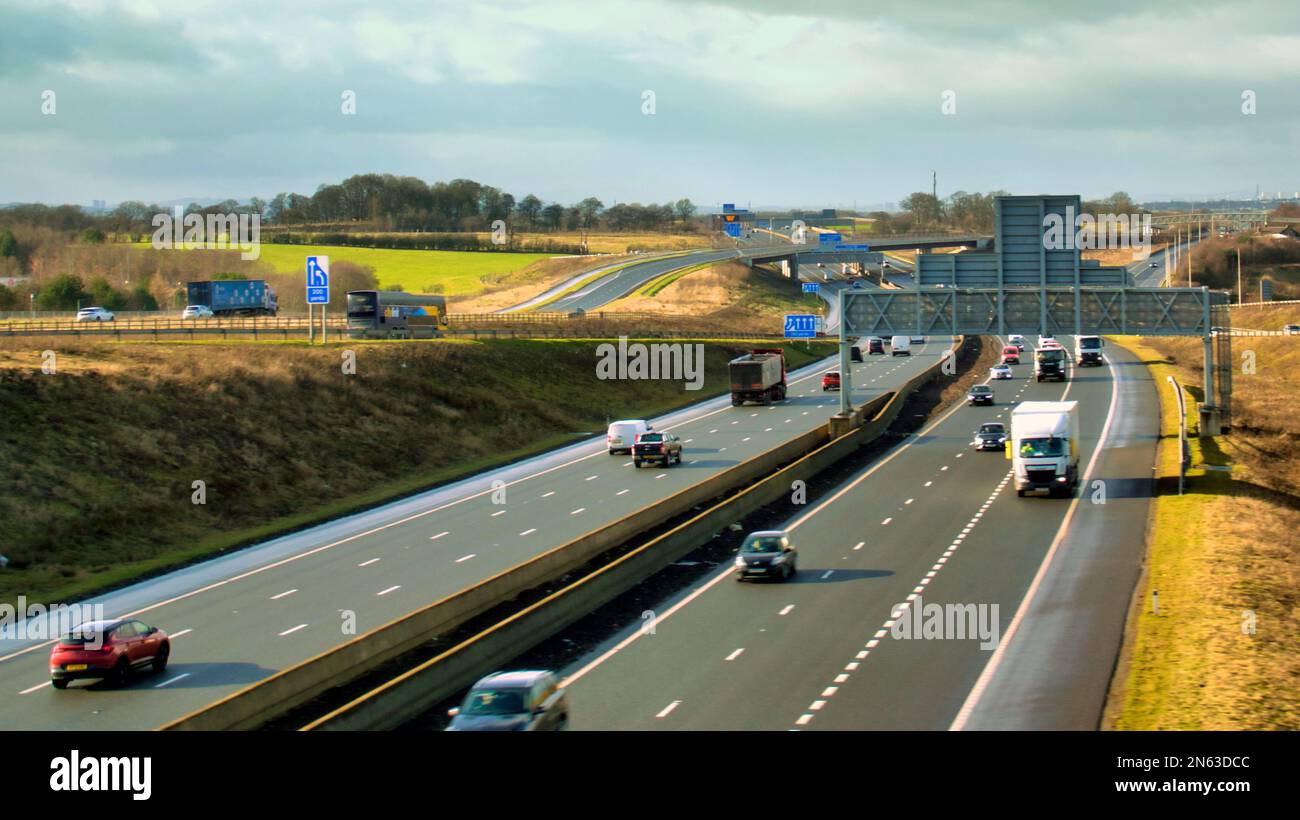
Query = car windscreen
x=979 y=388
x=650 y=438
x=496 y=702
x=1042 y=447
x=992 y=428
x=764 y=544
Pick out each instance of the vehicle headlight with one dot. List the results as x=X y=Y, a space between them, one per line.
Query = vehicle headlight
x=740 y=562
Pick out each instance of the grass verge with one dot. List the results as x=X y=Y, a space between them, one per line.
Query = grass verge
x=1211 y=635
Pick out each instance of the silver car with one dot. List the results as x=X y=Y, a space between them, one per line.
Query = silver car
x=525 y=701
x=94 y=314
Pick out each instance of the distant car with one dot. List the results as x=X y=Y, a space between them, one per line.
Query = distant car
x=1000 y=371
x=197 y=312
x=1291 y=330
x=766 y=554
x=991 y=436
x=1011 y=355
x=621 y=435
x=1017 y=340
x=526 y=701
x=831 y=380
x=857 y=284
x=855 y=352
x=108 y=650
x=1154 y=265
x=94 y=314
x=875 y=345
x=657 y=446
x=980 y=394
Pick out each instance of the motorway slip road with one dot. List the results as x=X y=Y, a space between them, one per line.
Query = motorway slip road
x=241 y=618
x=932 y=521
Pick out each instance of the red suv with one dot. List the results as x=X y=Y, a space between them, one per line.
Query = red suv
x=831 y=380
x=108 y=650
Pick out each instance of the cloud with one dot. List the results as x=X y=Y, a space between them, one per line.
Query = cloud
x=797 y=103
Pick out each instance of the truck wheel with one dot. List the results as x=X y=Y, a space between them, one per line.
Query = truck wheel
x=1020 y=493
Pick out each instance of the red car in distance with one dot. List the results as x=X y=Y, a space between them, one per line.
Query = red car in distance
x=108 y=650
x=1011 y=355
x=831 y=380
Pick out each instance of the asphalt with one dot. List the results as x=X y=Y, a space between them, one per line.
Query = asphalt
x=932 y=518
x=243 y=617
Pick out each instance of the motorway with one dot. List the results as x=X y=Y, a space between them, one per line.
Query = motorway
x=242 y=617
x=932 y=521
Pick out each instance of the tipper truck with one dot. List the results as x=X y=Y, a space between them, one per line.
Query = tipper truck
x=1088 y=351
x=759 y=376
x=234 y=297
x=1049 y=363
x=1044 y=446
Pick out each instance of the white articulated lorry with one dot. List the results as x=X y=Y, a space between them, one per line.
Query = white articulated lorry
x=1044 y=446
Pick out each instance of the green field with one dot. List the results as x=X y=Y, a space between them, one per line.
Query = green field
x=461 y=273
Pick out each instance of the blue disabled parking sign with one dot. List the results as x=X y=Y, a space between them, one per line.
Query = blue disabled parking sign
x=318 y=280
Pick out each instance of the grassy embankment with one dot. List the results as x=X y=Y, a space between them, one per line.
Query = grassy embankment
x=726 y=294
x=99 y=459
x=1220 y=652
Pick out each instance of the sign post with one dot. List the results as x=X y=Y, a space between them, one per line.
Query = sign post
x=318 y=293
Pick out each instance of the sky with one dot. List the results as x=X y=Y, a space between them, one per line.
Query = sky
x=758 y=102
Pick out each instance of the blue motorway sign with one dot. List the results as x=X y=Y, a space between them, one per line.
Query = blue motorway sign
x=830 y=236
x=800 y=325
x=732 y=229
x=810 y=287
x=843 y=247
x=318 y=280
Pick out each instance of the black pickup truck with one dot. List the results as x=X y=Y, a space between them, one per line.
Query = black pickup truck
x=658 y=446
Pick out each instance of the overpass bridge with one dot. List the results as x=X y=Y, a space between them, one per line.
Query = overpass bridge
x=806 y=253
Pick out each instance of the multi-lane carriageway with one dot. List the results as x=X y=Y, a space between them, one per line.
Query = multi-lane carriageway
x=242 y=617
x=933 y=521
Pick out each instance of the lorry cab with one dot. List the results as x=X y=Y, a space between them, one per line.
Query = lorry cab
x=1044 y=447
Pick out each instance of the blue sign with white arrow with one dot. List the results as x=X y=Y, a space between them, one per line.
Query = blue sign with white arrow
x=800 y=325
x=811 y=287
x=318 y=280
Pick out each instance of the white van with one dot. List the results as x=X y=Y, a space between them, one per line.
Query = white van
x=622 y=434
x=900 y=346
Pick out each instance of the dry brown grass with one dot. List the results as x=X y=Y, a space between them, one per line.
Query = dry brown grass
x=1224 y=549
x=729 y=294
x=511 y=289
x=622 y=242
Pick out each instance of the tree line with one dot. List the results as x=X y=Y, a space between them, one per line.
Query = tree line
x=384 y=202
